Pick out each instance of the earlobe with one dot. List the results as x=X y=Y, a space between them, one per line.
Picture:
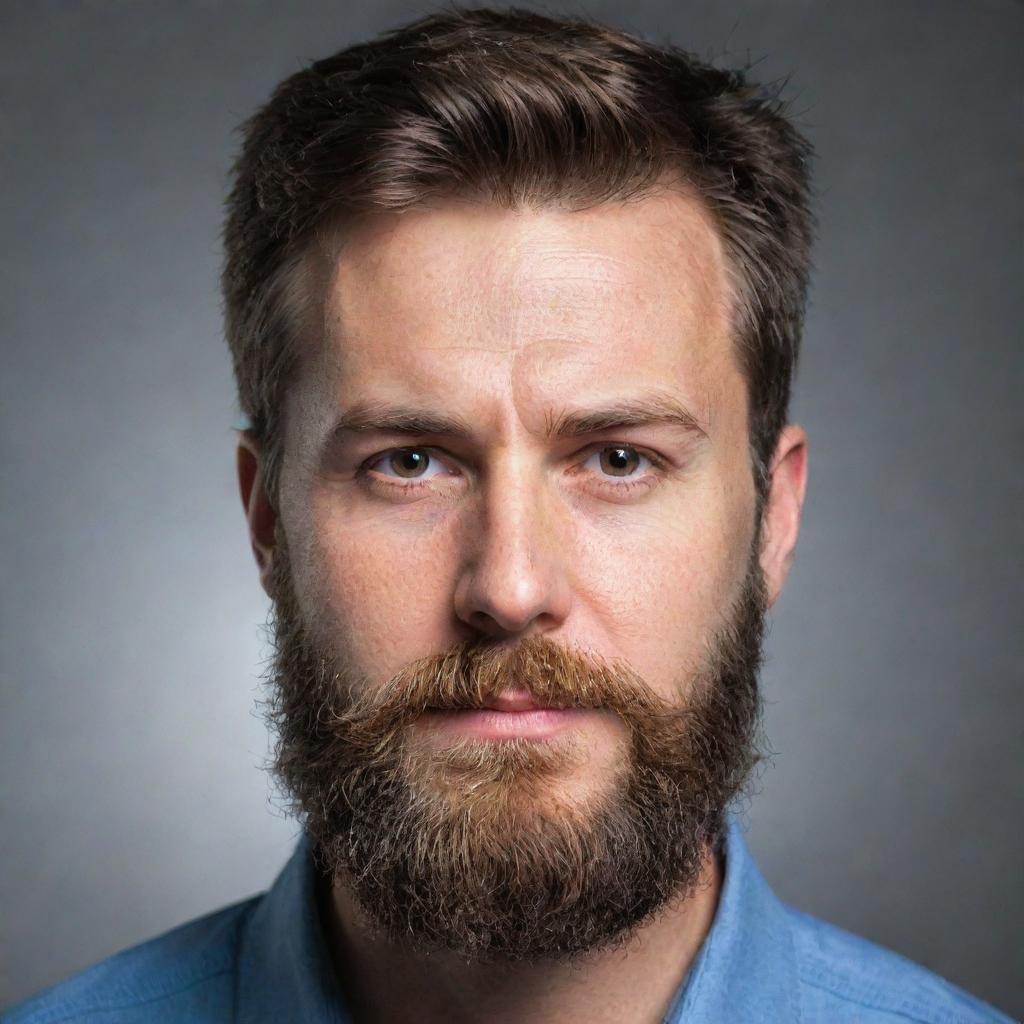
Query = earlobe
x=259 y=510
x=783 y=508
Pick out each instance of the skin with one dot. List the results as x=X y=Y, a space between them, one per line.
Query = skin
x=509 y=320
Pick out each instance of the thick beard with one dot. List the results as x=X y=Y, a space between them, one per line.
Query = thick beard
x=468 y=848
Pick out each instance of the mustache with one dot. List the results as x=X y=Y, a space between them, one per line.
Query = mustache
x=472 y=674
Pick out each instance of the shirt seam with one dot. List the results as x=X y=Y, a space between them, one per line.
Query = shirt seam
x=56 y=1016
x=241 y=940
x=912 y=1011
x=129 y=993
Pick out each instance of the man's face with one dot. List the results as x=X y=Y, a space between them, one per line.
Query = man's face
x=629 y=539
x=508 y=321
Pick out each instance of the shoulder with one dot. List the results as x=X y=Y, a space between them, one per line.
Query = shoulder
x=186 y=974
x=846 y=978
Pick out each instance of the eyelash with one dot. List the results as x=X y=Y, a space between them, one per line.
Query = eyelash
x=628 y=485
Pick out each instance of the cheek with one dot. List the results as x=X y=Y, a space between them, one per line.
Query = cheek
x=659 y=580
x=374 y=587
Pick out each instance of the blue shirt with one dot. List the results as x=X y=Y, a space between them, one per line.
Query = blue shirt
x=265 y=961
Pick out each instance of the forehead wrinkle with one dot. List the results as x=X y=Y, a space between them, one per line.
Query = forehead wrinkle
x=510 y=263
x=534 y=259
x=437 y=316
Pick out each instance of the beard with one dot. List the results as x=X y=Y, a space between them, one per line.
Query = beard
x=470 y=847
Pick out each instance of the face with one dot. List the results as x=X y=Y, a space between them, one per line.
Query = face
x=516 y=473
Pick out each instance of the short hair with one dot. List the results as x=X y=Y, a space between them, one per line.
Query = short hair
x=517 y=109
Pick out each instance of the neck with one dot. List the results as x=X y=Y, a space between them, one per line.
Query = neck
x=630 y=984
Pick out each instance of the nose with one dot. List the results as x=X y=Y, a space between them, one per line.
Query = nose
x=513 y=580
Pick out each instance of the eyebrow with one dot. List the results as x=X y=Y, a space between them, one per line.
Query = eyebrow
x=648 y=410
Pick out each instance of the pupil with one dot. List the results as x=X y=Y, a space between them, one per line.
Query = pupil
x=409 y=462
x=620 y=458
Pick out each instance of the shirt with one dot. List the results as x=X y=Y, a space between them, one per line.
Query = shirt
x=266 y=961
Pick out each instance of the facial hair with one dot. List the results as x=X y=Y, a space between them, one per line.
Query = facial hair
x=469 y=847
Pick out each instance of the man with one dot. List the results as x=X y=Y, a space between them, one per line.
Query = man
x=514 y=305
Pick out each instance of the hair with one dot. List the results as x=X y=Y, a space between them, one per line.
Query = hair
x=517 y=109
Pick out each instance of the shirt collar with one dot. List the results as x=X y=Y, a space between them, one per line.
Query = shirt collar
x=746 y=967
x=745 y=970
x=284 y=967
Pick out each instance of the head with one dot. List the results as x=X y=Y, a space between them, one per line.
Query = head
x=514 y=305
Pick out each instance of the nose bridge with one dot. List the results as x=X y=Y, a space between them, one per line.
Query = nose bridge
x=514 y=579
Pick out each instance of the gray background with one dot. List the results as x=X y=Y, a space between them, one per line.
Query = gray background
x=130 y=793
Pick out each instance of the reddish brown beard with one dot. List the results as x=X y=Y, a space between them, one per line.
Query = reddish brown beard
x=468 y=848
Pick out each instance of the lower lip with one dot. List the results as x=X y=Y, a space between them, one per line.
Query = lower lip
x=485 y=723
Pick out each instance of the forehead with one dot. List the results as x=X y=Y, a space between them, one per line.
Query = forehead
x=515 y=311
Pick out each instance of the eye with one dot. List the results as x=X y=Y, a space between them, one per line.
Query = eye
x=405 y=464
x=619 y=461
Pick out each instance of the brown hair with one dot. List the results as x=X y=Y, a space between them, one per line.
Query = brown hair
x=516 y=108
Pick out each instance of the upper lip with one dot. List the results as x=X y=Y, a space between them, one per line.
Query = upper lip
x=513 y=700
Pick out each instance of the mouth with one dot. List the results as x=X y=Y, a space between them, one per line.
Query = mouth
x=520 y=700
x=511 y=714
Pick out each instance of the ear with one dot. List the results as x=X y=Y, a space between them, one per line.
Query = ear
x=781 y=522
x=259 y=511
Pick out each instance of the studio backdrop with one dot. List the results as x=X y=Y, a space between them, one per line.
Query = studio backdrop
x=131 y=739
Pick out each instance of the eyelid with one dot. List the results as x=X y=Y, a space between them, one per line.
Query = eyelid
x=435 y=453
x=658 y=462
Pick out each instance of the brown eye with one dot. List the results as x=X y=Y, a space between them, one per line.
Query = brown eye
x=408 y=462
x=616 y=461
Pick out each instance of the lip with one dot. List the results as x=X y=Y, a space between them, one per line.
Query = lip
x=514 y=700
x=534 y=723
